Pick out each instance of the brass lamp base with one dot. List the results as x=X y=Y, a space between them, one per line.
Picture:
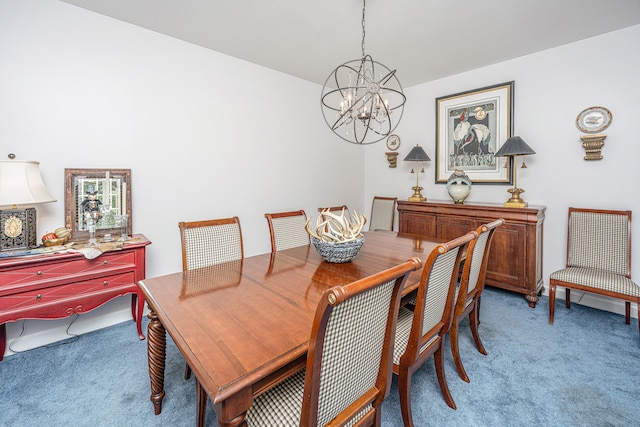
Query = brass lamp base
x=417 y=196
x=515 y=201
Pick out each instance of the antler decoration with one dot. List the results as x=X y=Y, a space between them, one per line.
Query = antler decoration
x=337 y=228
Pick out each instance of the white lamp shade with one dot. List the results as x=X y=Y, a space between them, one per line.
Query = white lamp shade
x=21 y=183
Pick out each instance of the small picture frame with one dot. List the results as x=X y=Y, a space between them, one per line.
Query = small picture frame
x=393 y=142
x=471 y=127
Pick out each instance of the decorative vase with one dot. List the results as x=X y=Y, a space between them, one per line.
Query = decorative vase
x=459 y=186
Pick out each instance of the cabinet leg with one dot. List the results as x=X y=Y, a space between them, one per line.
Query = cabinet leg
x=157 y=354
x=3 y=340
x=532 y=300
x=137 y=308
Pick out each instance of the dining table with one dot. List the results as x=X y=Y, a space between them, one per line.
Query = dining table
x=244 y=325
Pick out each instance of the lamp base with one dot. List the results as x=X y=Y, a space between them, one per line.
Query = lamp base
x=515 y=201
x=417 y=196
x=17 y=229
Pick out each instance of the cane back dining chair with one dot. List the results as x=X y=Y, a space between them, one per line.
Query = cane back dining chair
x=383 y=210
x=467 y=297
x=210 y=242
x=287 y=230
x=348 y=369
x=598 y=258
x=420 y=331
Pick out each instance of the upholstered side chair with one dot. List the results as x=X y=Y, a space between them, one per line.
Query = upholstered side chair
x=383 y=210
x=598 y=258
x=287 y=230
x=334 y=209
x=206 y=243
x=348 y=369
x=420 y=331
x=467 y=297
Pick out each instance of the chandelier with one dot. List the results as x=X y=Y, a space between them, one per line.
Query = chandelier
x=362 y=100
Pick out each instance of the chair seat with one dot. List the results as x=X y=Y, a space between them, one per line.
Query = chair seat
x=598 y=279
x=280 y=405
x=403 y=329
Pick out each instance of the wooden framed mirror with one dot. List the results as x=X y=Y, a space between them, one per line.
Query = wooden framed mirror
x=105 y=194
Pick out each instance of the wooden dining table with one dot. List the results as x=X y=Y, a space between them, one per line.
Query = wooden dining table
x=245 y=325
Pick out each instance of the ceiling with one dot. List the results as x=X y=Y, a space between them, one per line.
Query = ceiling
x=423 y=39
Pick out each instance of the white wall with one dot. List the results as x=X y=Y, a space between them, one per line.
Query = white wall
x=204 y=134
x=551 y=88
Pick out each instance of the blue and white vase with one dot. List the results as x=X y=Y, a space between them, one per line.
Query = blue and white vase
x=459 y=186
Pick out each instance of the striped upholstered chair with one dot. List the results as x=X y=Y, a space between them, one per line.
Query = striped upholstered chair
x=598 y=258
x=348 y=369
x=467 y=299
x=206 y=243
x=420 y=333
x=287 y=230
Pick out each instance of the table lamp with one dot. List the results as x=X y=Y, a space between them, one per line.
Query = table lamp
x=20 y=184
x=515 y=146
x=417 y=155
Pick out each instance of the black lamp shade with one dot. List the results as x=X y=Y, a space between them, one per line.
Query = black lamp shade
x=514 y=146
x=417 y=154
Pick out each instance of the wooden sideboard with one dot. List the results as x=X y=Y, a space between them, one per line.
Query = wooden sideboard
x=515 y=260
x=57 y=285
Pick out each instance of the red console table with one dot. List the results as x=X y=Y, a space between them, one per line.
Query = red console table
x=54 y=286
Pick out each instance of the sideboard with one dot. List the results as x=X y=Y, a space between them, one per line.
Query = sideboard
x=58 y=285
x=515 y=262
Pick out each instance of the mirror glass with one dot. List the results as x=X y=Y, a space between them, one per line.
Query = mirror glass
x=103 y=195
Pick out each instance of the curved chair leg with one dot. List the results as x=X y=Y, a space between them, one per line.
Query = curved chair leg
x=455 y=352
x=442 y=380
x=552 y=301
x=187 y=371
x=404 y=388
x=474 y=321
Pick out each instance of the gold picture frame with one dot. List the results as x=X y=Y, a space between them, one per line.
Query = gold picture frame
x=471 y=127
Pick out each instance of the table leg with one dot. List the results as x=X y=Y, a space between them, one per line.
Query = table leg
x=157 y=354
x=232 y=411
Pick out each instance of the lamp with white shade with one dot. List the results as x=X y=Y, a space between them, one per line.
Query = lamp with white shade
x=21 y=184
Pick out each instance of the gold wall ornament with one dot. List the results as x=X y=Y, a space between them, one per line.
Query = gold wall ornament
x=392 y=158
x=592 y=145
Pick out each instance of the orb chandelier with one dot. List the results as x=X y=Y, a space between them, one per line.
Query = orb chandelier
x=362 y=100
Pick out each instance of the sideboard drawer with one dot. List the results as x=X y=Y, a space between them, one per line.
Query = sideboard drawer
x=49 y=273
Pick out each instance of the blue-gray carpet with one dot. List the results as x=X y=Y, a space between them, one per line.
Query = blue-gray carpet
x=582 y=371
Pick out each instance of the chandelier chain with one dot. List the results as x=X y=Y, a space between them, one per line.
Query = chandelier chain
x=364 y=5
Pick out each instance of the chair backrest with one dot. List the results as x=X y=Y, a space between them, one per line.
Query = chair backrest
x=434 y=303
x=475 y=265
x=210 y=242
x=383 y=212
x=287 y=230
x=349 y=359
x=334 y=208
x=600 y=239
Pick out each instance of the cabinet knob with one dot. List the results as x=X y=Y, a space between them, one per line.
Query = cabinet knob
x=39 y=273
x=105 y=283
x=39 y=297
